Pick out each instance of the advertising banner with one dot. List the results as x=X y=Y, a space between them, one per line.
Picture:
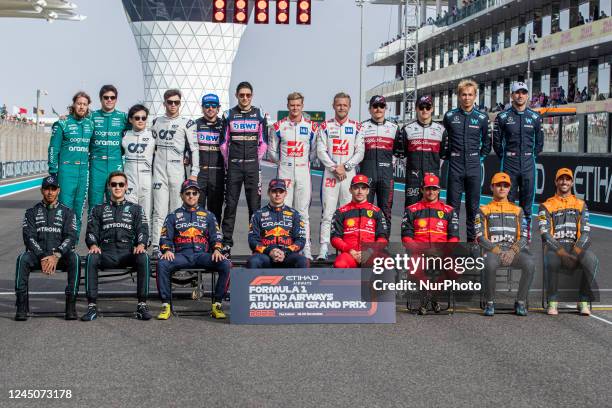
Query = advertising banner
x=288 y=296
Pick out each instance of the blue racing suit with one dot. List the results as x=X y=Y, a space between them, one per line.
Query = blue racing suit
x=518 y=138
x=192 y=234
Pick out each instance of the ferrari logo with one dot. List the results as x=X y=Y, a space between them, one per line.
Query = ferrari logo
x=370 y=213
x=440 y=214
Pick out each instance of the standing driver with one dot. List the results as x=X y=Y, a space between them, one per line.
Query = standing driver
x=117 y=236
x=191 y=238
x=276 y=233
x=49 y=234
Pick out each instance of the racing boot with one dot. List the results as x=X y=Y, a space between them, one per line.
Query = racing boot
x=307 y=254
x=423 y=305
x=142 y=312
x=583 y=308
x=92 y=313
x=435 y=305
x=217 y=311
x=520 y=309
x=70 y=313
x=165 y=313
x=21 y=315
x=227 y=251
x=156 y=254
x=323 y=252
x=489 y=309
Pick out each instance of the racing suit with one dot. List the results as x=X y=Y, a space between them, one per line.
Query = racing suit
x=518 y=138
x=192 y=234
x=212 y=168
x=420 y=145
x=380 y=142
x=292 y=147
x=116 y=227
x=500 y=226
x=337 y=143
x=430 y=222
x=139 y=149
x=564 y=225
x=245 y=140
x=355 y=224
x=173 y=136
x=467 y=144
x=69 y=159
x=277 y=227
x=105 y=152
x=48 y=230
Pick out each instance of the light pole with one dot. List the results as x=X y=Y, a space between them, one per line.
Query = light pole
x=38 y=94
x=360 y=5
x=531 y=43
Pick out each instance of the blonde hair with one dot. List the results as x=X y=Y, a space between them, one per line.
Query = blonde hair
x=466 y=83
x=294 y=96
x=342 y=95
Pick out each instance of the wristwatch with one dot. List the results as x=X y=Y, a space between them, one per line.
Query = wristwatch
x=348 y=166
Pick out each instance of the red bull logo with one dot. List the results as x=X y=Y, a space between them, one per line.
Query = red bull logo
x=277 y=232
x=191 y=232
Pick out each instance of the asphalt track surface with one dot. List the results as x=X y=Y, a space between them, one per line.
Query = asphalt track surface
x=459 y=360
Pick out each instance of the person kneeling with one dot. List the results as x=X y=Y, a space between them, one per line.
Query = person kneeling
x=276 y=233
x=117 y=236
x=191 y=238
x=357 y=223
x=49 y=234
x=501 y=231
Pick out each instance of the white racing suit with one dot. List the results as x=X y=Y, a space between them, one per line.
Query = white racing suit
x=138 y=150
x=292 y=146
x=337 y=143
x=173 y=137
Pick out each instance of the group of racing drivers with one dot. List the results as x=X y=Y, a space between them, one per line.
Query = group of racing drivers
x=178 y=173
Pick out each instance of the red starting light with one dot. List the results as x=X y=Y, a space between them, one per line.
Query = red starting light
x=303 y=12
x=282 y=11
x=262 y=11
x=241 y=12
x=219 y=11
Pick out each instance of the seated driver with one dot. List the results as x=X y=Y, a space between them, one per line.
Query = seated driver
x=191 y=238
x=357 y=223
x=277 y=234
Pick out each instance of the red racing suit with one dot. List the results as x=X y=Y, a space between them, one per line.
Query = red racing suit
x=353 y=225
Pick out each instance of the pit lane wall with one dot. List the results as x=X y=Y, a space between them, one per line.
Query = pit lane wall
x=23 y=150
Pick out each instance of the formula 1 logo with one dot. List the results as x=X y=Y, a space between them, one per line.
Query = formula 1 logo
x=340 y=147
x=295 y=148
x=266 y=280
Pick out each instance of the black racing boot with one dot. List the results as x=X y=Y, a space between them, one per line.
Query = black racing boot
x=21 y=315
x=92 y=313
x=71 y=313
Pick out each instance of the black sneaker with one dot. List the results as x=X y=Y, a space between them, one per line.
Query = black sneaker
x=92 y=313
x=142 y=312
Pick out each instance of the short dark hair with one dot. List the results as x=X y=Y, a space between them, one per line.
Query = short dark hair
x=172 y=92
x=137 y=108
x=244 y=84
x=116 y=174
x=108 y=88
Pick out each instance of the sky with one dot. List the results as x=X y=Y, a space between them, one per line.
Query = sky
x=319 y=60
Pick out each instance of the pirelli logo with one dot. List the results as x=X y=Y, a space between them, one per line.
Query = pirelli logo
x=266 y=280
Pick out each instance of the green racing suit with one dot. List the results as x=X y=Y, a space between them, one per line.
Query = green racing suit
x=105 y=151
x=69 y=159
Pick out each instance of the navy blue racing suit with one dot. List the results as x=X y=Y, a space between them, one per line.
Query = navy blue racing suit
x=192 y=234
x=517 y=140
x=466 y=145
x=277 y=227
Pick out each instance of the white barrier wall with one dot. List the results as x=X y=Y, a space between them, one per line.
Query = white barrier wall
x=23 y=150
